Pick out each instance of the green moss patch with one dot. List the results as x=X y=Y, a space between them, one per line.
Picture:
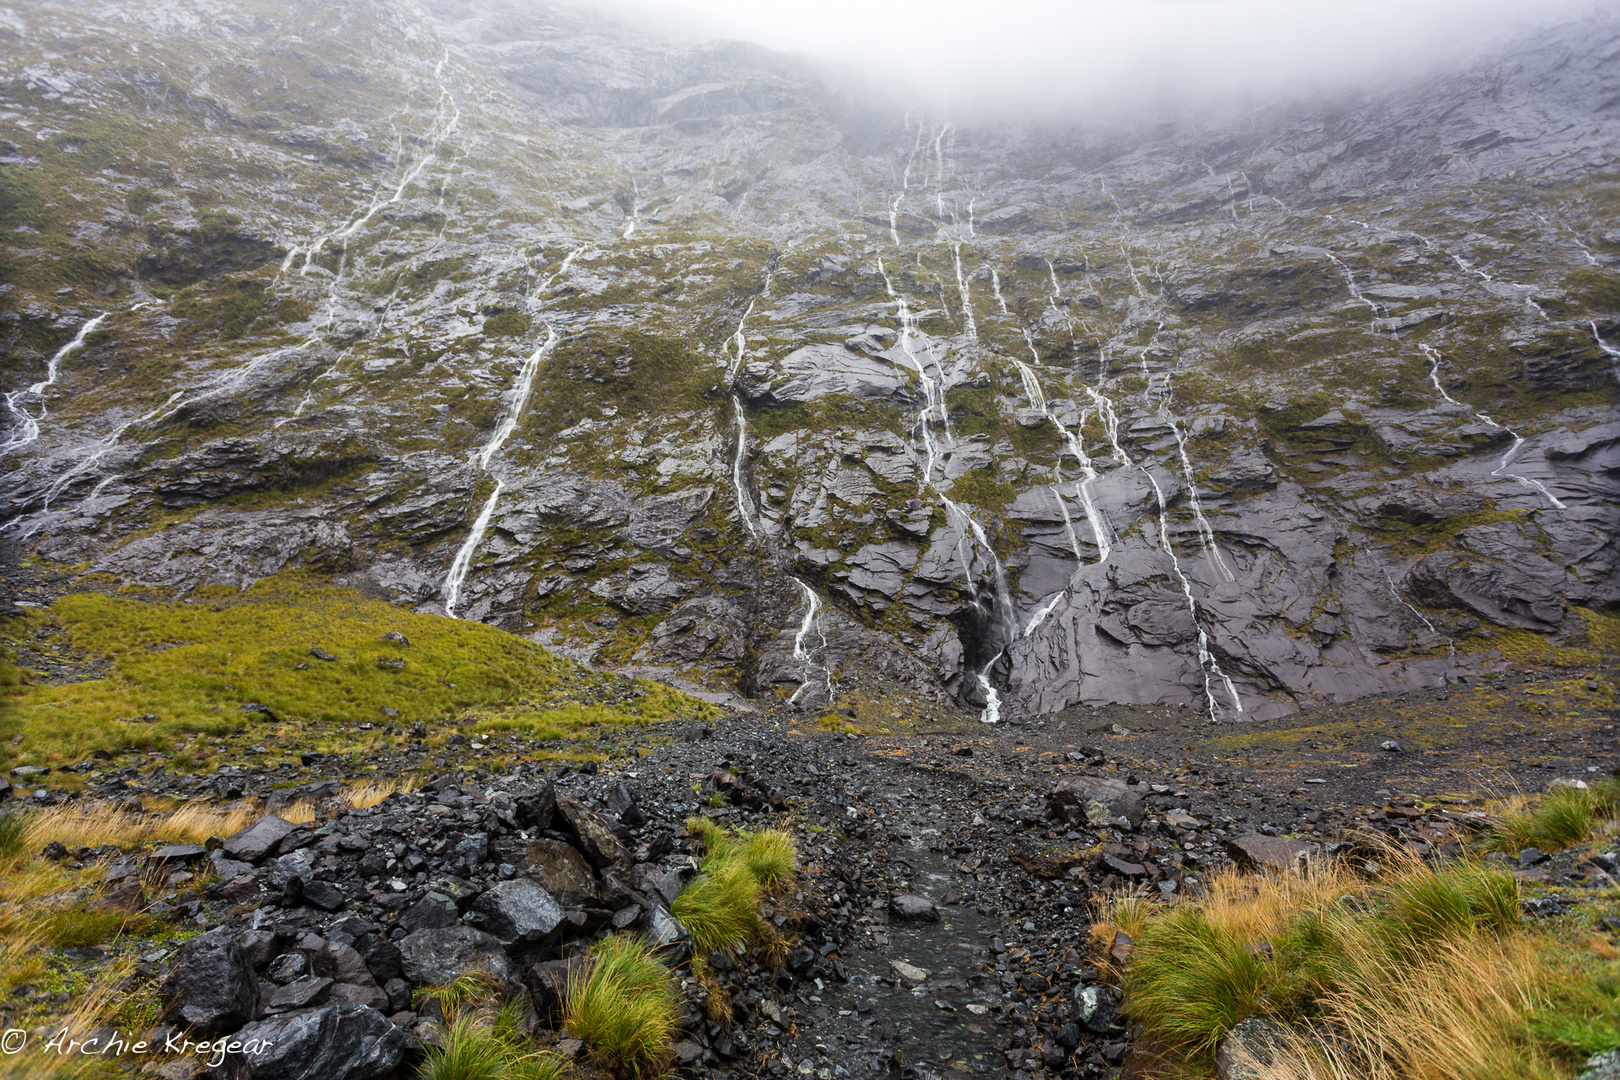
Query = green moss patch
x=172 y=668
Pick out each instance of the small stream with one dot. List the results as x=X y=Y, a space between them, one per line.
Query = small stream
x=887 y=1019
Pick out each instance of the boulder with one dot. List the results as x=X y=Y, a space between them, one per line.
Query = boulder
x=340 y=1041
x=517 y=910
x=175 y=855
x=1258 y=852
x=298 y=994
x=548 y=984
x=1093 y=1008
x=435 y=956
x=1095 y=800
x=596 y=837
x=913 y=908
x=1248 y=1049
x=534 y=809
x=431 y=912
x=211 y=989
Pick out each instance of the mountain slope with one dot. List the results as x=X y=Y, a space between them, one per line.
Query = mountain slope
x=669 y=356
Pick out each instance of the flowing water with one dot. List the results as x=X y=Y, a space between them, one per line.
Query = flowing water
x=885 y=1015
x=517 y=401
x=25 y=425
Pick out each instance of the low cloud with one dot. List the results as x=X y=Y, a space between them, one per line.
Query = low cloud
x=1044 y=57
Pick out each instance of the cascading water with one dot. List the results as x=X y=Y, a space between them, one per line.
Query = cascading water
x=1434 y=357
x=800 y=652
x=1206 y=534
x=1528 y=290
x=517 y=401
x=1609 y=350
x=25 y=426
x=1350 y=283
x=748 y=511
x=1094 y=517
x=446 y=120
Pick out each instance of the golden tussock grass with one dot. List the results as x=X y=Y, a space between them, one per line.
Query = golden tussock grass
x=92 y=824
x=1424 y=973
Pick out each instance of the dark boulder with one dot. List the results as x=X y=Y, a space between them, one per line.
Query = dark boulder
x=436 y=956
x=341 y=1041
x=517 y=910
x=913 y=908
x=211 y=989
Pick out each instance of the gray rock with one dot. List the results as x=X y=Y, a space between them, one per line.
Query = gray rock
x=433 y=911
x=340 y=1041
x=596 y=838
x=1258 y=852
x=664 y=931
x=913 y=908
x=816 y=371
x=1093 y=1008
x=286 y=968
x=518 y=911
x=298 y=994
x=562 y=870
x=297 y=866
x=1248 y=1050
x=1095 y=801
x=210 y=988
x=172 y=855
x=435 y=956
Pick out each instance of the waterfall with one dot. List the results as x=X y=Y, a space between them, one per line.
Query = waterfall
x=447 y=119
x=928 y=385
x=25 y=425
x=972 y=329
x=1082 y=490
x=518 y=399
x=1350 y=283
x=1207 y=663
x=748 y=510
x=1206 y=535
x=1529 y=290
x=1434 y=357
x=800 y=652
x=1608 y=349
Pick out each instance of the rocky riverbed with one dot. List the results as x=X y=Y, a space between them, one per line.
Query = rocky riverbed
x=942 y=922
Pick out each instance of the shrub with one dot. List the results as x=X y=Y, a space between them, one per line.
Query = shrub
x=625 y=1009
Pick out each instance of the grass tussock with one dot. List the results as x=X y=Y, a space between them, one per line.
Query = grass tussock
x=1429 y=975
x=94 y=824
x=624 y=1010
x=192 y=666
x=1563 y=817
x=720 y=907
x=483 y=1036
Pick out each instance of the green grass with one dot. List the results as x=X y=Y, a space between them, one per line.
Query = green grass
x=1430 y=905
x=1190 y=982
x=1562 y=818
x=720 y=907
x=482 y=1041
x=625 y=1009
x=1426 y=973
x=193 y=665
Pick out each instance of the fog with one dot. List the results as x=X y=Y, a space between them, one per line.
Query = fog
x=1048 y=56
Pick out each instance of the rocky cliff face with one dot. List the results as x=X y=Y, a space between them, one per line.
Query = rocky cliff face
x=671 y=358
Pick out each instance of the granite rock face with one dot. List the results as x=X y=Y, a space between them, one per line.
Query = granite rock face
x=1236 y=413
